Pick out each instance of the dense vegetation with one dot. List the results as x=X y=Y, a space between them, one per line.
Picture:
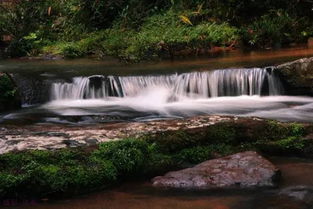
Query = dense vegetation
x=41 y=174
x=142 y=29
x=9 y=98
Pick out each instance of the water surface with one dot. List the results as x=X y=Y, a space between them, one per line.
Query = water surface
x=92 y=91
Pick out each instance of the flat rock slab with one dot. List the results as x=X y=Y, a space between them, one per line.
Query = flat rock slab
x=52 y=136
x=242 y=170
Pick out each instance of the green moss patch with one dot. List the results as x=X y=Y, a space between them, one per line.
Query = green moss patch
x=72 y=171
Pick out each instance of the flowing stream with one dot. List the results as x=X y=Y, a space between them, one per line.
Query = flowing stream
x=87 y=92
x=76 y=93
x=101 y=98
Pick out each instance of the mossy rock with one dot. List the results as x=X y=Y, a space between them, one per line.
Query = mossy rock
x=9 y=97
x=298 y=76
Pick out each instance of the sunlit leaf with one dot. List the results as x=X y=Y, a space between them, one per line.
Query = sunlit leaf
x=185 y=19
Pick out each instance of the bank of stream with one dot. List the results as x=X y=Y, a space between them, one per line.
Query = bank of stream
x=70 y=104
x=295 y=192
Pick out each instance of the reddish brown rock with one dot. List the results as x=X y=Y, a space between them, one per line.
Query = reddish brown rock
x=242 y=170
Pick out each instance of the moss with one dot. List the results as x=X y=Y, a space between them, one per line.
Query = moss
x=236 y=133
x=73 y=171
x=290 y=146
x=199 y=154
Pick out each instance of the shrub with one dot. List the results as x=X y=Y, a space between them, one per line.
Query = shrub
x=128 y=156
x=160 y=36
x=166 y=33
x=274 y=29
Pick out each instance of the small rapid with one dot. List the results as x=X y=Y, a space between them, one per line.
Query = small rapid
x=217 y=83
x=103 y=98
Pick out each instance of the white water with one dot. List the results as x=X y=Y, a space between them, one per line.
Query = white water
x=242 y=92
x=231 y=82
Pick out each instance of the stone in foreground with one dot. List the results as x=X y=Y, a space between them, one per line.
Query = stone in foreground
x=242 y=170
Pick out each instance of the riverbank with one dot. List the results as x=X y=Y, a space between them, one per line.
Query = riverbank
x=294 y=192
x=71 y=171
x=167 y=29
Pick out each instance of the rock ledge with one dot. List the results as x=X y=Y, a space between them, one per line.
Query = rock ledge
x=242 y=170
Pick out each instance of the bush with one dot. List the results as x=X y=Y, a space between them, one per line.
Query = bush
x=166 y=34
x=160 y=36
x=275 y=29
x=128 y=156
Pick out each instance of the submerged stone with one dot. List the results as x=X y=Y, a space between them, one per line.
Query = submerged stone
x=242 y=170
x=302 y=193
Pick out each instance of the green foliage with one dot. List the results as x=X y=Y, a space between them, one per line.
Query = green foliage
x=195 y=154
x=296 y=129
x=292 y=146
x=30 y=24
x=128 y=156
x=71 y=171
x=272 y=29
x=199 y=154
x=141 y=29
x=165 y=34
x=7 y=88
x=53 y=173
x=9 y=98
x=161 y=35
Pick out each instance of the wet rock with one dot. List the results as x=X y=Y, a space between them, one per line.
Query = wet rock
x=302 y=193
x=60 y=136
x=33 y=89
x=92 y=141
x=297 y=76
x=73 y=143
x=51 y=134
x=242 y=170
x=9 y=97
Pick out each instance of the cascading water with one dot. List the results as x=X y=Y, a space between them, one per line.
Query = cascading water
x=218 y=83
x=98 y=98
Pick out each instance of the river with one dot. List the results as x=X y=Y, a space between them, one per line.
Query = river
x=79 y=91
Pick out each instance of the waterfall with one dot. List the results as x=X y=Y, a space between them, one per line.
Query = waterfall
x=217 y=83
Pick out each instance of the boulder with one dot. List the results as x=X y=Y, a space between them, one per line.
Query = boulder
x=242 y=170
x=297 y=76
x=9 y=97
